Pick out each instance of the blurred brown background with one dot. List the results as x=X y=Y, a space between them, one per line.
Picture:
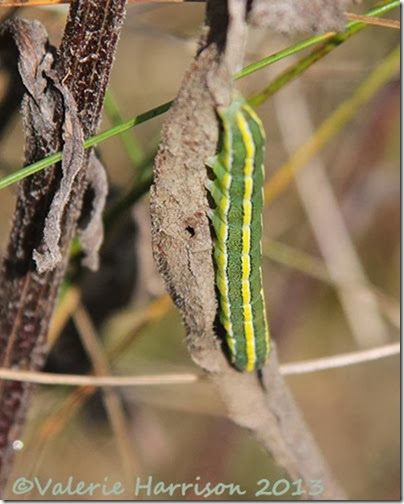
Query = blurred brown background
x=178 y=432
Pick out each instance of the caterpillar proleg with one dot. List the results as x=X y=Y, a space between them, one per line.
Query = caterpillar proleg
x=237 y=192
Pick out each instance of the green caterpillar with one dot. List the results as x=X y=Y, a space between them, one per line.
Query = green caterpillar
x=237 y=220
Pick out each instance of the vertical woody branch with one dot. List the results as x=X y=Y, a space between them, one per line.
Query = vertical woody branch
x=86 y=54
x=182 y=247
x=78 y=80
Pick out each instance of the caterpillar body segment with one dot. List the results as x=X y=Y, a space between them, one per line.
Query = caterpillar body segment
x=237 y=192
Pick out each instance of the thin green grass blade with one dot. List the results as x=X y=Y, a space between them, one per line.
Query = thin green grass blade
x=132 y=147
x=90 y=142
x=352 y=27
x=329 y=45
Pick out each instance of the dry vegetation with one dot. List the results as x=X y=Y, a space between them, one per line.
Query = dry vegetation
x=178 y=432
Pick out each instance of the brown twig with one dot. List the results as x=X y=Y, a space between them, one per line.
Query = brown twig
x=183 y=247
x=386 y=23
x=111 y=398
x=292 y=368
x=27 y=295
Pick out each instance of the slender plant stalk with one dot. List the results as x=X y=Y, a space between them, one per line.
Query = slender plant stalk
x=132 y=147
x=27 y=296
x=329 y=45
x=334 y=41
x=344 y=113
x=293 y=368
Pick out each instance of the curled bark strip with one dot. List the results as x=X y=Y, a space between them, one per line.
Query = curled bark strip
x=181 y=234
x=27 y=297
x=35 y=61
x=182 y=248
x=46 y=97
x=48 y=255
x=92 y=235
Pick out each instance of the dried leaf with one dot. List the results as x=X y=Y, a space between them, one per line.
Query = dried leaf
x=91 y=237
x=182 y=247
x=27 y=297
x=47 y=97
x=48 y=256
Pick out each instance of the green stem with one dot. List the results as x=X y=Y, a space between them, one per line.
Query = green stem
x=336 y=39
x=90 y=142
x=132 y=147
x=351 y=28
x=344 y=113
x=295 y=70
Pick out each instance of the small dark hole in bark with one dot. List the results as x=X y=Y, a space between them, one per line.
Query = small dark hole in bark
x=190 y=230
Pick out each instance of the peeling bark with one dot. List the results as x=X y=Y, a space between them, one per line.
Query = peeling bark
x=63 y=104
x=182 y=246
